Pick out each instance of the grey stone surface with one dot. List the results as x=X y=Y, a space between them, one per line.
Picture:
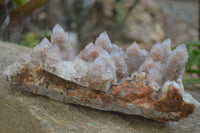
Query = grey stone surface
x=180 y=19
x=23 y=112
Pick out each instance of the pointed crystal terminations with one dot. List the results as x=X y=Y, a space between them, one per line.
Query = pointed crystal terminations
x=135 y=57
x=60 y=38
x=103 y=76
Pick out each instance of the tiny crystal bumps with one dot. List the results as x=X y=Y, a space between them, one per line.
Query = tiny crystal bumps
x=104 y=77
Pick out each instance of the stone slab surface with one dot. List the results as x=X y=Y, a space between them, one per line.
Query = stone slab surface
x=23 y=112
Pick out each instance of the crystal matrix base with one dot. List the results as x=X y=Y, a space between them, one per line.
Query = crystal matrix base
x=130 y=96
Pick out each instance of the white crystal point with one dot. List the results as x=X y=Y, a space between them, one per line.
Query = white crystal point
x=104 y=36
x=135 y=57
x=39 y=52
x=182 y=48
x=59 y=36
x=161 y=51
x=45 y=41
x=135 y=50
x=134 y=45
x=57 y=28
x=90 y=45
x=167 y=42
x=42 y=46
x=104 y=41
x=175 y=64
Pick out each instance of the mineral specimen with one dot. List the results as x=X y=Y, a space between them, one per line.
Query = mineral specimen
x=103 y=76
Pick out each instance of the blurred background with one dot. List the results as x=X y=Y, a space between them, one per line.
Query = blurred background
x=26 y=22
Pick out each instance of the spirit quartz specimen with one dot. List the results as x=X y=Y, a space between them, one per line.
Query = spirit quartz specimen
x=104 y=77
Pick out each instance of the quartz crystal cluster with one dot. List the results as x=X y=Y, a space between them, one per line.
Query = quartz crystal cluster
x=105 y=77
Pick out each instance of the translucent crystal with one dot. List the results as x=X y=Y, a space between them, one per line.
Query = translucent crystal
x=65 y=70
x=110 y=65
x=147 y=65
x=39 y=52
x=160 y=51
x=53 y=55
x=104 y=41
x=175 y=64
x=97 y=68
x=101 y=72
x=81 y=67
x=60 y=38
x=135 y=57
x=155 y=76
x=90 y=53
x=119 y=59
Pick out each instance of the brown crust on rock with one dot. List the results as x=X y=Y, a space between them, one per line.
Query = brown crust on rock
x=173 y=102
x=134 y=92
